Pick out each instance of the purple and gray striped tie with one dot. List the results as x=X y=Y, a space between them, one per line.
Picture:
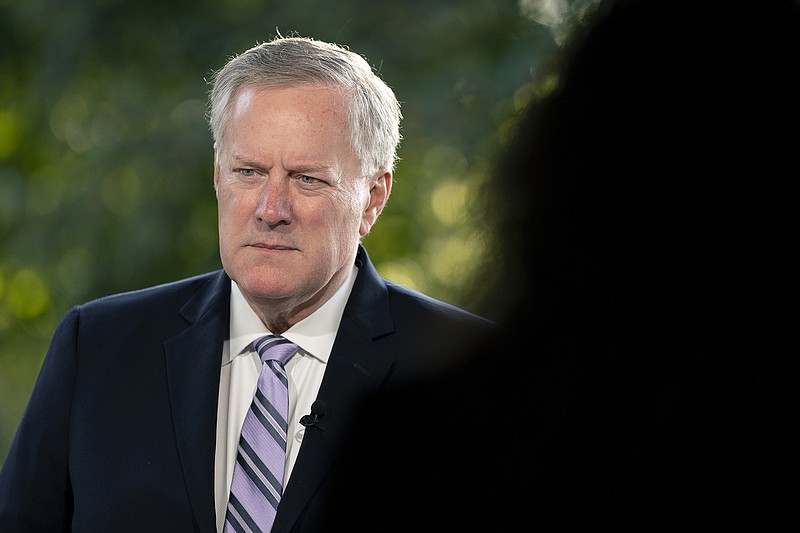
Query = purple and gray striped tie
x=258 y=475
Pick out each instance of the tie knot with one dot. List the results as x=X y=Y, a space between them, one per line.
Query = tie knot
x=274 y=348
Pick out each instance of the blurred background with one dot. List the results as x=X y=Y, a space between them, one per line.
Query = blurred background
x=106 y=159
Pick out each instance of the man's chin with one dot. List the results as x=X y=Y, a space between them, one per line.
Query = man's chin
x=266 y=291
x=265 y=283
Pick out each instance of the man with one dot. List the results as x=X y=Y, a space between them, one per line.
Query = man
x=134 y=423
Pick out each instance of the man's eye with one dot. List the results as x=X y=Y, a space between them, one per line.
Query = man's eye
x=308 y=179
x=246 y=172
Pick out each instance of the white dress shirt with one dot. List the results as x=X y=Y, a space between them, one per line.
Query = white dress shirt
x=241 y=367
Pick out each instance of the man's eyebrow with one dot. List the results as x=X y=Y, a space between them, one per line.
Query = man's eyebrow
x=246 y=161
x=301 y=167
x=311 y=167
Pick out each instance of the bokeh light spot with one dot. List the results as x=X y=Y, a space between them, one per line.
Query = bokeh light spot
x=28 y=295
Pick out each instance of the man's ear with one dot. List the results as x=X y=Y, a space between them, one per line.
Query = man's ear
x=380 y=186
x=216 y=166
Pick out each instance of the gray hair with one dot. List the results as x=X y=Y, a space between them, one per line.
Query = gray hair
x=374 y=112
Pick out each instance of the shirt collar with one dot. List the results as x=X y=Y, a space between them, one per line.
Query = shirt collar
x=314 y=334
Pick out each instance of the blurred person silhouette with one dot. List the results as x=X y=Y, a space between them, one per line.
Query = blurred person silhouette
x=646 y=276
x=171 y=408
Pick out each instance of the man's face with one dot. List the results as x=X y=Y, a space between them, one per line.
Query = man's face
x=292 y=205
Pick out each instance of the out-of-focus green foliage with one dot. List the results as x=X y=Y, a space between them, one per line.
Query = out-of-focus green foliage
x=106 y=159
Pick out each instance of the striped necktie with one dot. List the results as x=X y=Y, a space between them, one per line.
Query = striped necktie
x=258 y=474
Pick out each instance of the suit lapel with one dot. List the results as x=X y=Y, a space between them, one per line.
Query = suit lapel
x=356 y=367
x=193 y=360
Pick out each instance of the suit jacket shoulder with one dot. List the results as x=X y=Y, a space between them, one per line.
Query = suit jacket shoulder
x=423 y=334
x=191 y=296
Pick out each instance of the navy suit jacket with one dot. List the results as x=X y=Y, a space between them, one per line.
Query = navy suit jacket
x=120 y=430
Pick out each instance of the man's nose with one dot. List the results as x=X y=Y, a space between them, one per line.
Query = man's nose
x=274 y=206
